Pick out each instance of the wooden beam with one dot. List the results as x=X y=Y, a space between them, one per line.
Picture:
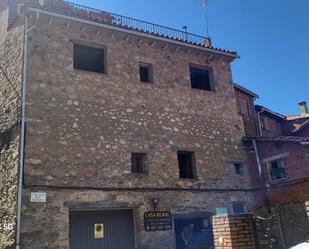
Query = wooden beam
x=51 y=20
x=153 y=44
x=165 y=47
x=177 y=49
x=84 y=28
x=210 y=56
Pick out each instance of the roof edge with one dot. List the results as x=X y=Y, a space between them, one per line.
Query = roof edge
x=246 y=90
x=122 y=28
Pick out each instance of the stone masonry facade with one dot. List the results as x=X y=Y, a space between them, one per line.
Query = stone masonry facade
x=11 y=61
x=82 y=128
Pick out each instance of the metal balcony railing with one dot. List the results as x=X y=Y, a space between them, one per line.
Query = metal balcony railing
x=100 y=16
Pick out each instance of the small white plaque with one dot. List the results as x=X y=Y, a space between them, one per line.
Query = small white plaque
x=38 y=197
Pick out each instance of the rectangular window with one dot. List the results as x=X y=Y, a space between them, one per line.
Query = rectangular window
x=238 y=208
x=265 y=124
x=238 y=167
x=277 y=170
x=186 y=164
x=138 y=162
x=89 y=58
x=202 y=78
x=244 y=109
x=145 y=72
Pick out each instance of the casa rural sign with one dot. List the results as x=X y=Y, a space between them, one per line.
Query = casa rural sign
x=157 y=221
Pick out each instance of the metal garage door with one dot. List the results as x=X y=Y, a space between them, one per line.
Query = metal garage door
x=101 y=229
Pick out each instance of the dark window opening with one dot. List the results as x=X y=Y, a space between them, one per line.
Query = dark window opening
x=186 y=164
x=201 y=79
x=89 y=58
x=138 y=162
x=238 y=208
x=193 y=232
x=277 y=170
x=238 y=168
x=145 y=73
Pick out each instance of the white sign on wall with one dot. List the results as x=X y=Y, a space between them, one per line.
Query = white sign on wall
x=38 y=197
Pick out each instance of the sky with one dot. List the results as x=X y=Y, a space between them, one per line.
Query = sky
x=271 y=37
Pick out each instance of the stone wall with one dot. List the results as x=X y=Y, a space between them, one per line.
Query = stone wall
x=295 y=225
x=4 y=17
x=46 y=225
x=234 y=231
x=83 y=126
x=11 y=58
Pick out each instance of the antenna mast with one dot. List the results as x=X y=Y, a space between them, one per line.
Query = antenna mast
x=205 y=5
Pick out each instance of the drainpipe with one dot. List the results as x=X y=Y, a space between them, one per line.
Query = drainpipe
x=22 y=134
x=258 y=161
x=265 y=184
x=259 y=123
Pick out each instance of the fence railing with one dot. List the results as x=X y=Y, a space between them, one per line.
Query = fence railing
x=105 y=17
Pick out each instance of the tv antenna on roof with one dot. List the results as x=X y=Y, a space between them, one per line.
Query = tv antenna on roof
x=204 y=6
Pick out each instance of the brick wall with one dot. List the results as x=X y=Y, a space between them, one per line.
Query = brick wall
x=295 y=163
x=234 y=231
x=271 y=127
x=304 y=132
x=290 y=125
x=248 y=117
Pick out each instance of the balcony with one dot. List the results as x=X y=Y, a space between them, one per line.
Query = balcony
x=103 y=17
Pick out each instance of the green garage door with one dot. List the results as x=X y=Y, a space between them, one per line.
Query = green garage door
x=101 y=229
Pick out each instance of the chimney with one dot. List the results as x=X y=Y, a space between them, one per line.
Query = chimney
x=303 y=109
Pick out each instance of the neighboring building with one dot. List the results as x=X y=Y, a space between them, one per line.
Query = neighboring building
x=122 y=117
x=278 y=156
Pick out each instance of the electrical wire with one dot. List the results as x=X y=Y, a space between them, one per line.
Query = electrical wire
x=8 y=80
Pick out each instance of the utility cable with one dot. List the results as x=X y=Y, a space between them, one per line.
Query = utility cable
x=8 y=80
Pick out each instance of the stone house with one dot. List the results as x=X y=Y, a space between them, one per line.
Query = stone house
x=278 y=159
x=105 y=119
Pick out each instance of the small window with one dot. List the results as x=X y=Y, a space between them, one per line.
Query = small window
x=89 y=58
x=138 y=162
x=244 y=108
x=265 y=124
x=277 y=170
x=238 y=167
x=201 y=78
x=186 y=164
x=238 y=208
x=145 y=73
